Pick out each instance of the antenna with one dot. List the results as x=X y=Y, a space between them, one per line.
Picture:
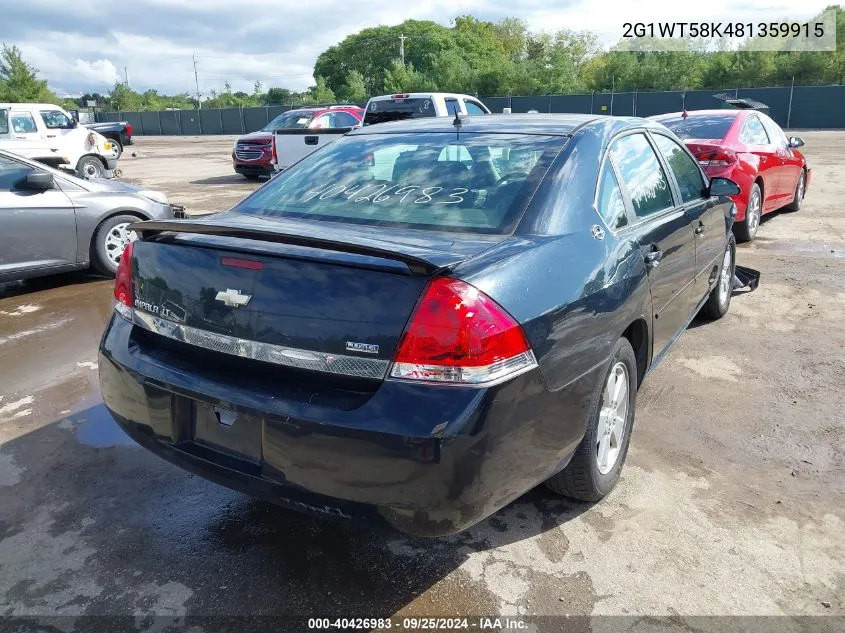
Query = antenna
x=196 y=79
x=457 y=123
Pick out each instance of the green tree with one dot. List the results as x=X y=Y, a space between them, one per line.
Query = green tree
x=321 y=93
x=403 y=78
x=279 y=96
x=19 y=81
x=355 y=89
x=122 y=97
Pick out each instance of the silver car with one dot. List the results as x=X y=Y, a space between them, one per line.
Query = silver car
x=52 y=222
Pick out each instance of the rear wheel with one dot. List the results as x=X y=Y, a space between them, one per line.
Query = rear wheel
x=800 y=189
x=90 y=167
x=594 y=468
x=110 y=239
x=747 y=229
x=719 y=301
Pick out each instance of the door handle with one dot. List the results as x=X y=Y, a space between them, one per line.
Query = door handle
x=763 y=159
x=699 y=230
x=311 y=140
x=652 y=258
x=51 y=136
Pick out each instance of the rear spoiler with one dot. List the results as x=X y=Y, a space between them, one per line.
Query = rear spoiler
x=417 y=265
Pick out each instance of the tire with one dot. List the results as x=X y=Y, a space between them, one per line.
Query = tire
x=584 y=478
x=118 y=146
x=90 y=167
x=746 y=230
x=719 y=301
x=108 y=243
x=800 y=190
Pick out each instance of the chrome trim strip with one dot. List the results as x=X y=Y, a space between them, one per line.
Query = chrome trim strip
x=255 y=350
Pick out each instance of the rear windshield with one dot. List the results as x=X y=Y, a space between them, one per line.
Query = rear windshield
x=477 y=183
x=385 y=110
x=289 y=120
x=699 y=126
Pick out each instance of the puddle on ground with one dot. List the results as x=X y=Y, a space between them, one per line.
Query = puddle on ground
x=834 y=250
x=95 y=427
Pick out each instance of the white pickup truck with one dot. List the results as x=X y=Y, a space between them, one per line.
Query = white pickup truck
x=292 y=145
x=416 y=105
x=46 y=133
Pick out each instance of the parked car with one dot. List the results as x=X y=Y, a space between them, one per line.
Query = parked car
x=119 y=132
x=424 y=320
x=751 y=149
x=52 y=222
x=72 y=145
x=252 y=154
x=414 y=105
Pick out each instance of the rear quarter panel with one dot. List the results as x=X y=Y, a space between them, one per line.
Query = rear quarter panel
x=574 y=295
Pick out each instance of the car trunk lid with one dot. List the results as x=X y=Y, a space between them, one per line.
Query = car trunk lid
x=306 y=295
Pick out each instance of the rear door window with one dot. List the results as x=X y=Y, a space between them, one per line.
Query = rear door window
x=344 y=119
x=423 y=181
x=23 y=123
x=642 y=174
x=452 y=107
x=753 y=132
x=398 y=109
x=4 y=121
x=686 y=171
x=611 y=204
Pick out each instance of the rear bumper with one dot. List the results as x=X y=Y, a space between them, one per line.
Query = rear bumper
x=425 y=460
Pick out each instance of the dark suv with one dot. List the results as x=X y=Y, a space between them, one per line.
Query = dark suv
x=252 y=152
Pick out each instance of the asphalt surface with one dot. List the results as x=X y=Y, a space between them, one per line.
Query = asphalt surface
x=731 y=503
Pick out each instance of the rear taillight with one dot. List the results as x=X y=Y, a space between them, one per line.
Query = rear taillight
x=123 y=295
x=717 y=158
x=128 y=129
x=458 y=334
x=273 y=156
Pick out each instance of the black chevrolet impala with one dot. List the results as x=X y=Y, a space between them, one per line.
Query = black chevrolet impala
x=424 y=320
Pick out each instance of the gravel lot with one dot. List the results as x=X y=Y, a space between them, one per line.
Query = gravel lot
x=732 y=501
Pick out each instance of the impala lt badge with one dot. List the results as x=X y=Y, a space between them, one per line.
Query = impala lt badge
x=367 y=348
x=233 y=298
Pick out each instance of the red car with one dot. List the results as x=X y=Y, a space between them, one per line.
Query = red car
x=252 y=152
x=750 y=149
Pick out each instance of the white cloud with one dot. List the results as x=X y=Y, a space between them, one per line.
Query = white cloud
x=77 y=48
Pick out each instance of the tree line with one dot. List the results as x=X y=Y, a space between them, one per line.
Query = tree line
x=476 y=57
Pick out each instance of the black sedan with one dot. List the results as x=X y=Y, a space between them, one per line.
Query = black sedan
x=424 y=320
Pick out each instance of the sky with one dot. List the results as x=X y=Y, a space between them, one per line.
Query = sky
x=87 y=46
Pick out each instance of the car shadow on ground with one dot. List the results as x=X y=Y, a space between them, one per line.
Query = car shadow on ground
x=146 y=523
x=39 y=284
x=229 y=179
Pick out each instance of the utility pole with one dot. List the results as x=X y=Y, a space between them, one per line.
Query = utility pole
x=197 y=81
x=126 y=76
x=402 y=39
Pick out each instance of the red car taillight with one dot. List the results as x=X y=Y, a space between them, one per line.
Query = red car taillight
x=458 y=334
x=716 y=158
x=273 y=157
x=128 y=129
x=123 y=294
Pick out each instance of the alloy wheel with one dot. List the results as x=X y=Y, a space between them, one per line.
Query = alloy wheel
x=612 y=419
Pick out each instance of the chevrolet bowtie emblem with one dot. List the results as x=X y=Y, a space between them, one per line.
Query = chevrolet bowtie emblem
x=233 y=298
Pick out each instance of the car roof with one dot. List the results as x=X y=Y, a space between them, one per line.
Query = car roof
x=545 y=124
x=31 y=105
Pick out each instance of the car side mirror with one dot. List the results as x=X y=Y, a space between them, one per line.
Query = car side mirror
x=38 y=181
x=722 y=187
x=796 y=141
